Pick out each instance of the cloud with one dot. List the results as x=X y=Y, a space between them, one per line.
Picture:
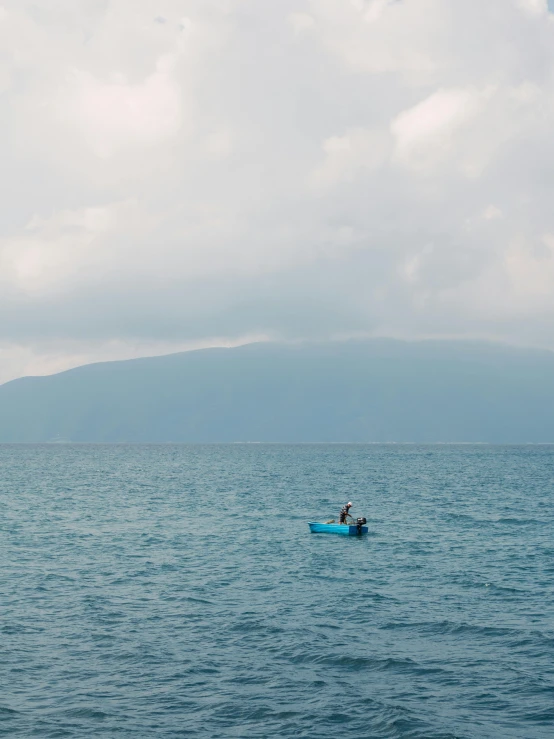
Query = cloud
x=201 y=171
x=427 y=132
x=380 y=36
x=491 y=213
x=346 y=156
x=65 y=250
x=533 y=7
x=300 y=22
x=117 y=114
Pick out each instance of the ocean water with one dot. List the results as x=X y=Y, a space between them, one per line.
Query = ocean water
x=176 y=591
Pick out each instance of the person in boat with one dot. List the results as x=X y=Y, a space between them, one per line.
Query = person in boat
x=344 y=514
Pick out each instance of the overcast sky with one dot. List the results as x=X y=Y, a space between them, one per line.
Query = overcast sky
x=181 y=173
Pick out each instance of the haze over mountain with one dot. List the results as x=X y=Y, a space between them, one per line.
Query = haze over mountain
x=188 y=174
x=359 y=391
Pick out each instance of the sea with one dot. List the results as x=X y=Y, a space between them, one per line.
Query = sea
x=176 y=591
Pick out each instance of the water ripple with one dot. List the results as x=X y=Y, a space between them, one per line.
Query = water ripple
x=175 y=591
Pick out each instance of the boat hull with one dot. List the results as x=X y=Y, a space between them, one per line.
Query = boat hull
x=336 y=528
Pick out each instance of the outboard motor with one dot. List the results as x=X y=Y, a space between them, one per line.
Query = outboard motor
x=359 y=523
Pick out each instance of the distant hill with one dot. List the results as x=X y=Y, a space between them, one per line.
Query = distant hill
x=375 y=390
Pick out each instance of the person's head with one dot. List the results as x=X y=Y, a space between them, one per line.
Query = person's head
x=349 y=505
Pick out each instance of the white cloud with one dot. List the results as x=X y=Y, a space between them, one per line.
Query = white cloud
x=491 y=213
x=426 y=133
x=515 y=289
x=300 y=22
x=66 y=249
x=117 y=114
x=345 y=156
x=374 y=10
x=315 y=168
x=410 y=270
x=219 y=144
x=382 y=36
x=530 y=272
x=533 y=7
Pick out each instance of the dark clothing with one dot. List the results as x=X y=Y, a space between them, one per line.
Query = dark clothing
x=344 y=512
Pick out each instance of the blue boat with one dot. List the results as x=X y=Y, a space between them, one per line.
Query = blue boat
x=353 y=529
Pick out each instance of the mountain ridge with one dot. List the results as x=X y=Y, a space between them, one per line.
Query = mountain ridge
x=373 y=390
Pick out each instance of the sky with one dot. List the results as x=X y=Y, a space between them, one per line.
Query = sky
x=185 y=173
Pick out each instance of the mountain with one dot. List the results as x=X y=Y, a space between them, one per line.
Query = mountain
x=374 y=390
